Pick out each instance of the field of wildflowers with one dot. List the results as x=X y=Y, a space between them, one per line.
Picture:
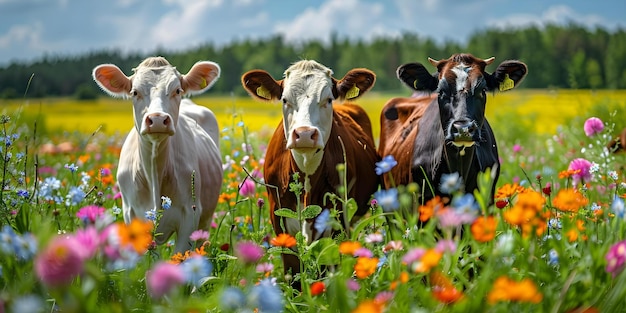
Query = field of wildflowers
x=553 y=241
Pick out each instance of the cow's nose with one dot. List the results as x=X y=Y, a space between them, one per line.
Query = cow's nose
x=304 y=137
x=463 y=129
x=158 y=123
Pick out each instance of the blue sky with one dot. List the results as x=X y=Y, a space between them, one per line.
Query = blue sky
x=30 y=29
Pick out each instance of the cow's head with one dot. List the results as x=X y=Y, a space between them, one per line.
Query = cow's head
x=462 y=83
x=156 y=88
x=307 y=93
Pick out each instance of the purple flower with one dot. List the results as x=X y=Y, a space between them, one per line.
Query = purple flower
x=163 y=278
x=446 y=245
x=385 y=165
x=248 y=251
x=363 y=252
x=583 y=167
x=593 y=126
x=413 y=255
x=264 y=267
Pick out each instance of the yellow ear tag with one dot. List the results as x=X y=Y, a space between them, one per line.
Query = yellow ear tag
x=507 y=83
x=353 y=92
x=203 y=84
x=263 y=93
x=415 y=84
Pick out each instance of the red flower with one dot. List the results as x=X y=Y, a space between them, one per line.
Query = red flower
x=317 y=288
x=501 y=204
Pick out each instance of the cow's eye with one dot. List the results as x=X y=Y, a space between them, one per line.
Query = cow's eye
x=286 y=103
x=134 y=93
x=177 y=92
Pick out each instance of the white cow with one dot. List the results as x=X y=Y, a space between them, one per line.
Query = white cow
x=172 y=150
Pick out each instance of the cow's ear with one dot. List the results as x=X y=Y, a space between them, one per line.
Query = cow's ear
x=261 y=85
x=201 y=77
x=112 y=80
x=354 y=84
x=507 y=76
x=416 y=76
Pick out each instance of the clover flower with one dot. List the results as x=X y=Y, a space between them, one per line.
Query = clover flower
x=199 y=234
x=89 y=214
x=593 y=126
x=248 y=251
x=581 y=169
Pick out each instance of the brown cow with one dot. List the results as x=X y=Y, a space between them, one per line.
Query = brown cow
x=445 y=132
x=312 y=139
x=618 y=144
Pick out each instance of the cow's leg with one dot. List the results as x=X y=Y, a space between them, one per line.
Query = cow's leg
x=188 y=224
x=291 y=264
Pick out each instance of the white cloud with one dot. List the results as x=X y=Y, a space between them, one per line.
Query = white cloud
x=346 y=17
x=23 y=35
x=260 y=19
x=558 y=14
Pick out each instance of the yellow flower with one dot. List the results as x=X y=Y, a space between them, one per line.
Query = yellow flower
x=365 y=267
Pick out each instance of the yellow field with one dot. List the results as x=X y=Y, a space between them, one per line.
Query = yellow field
x=543 y=109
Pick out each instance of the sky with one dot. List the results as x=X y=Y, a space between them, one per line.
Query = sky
x=32 y=29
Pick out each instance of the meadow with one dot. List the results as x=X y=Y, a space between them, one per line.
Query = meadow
x=553 y=241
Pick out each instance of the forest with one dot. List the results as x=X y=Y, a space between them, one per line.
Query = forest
x=570 y=56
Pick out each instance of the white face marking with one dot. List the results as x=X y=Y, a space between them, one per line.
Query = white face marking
x=156 y=95
x=462 y=75
x=307 y=112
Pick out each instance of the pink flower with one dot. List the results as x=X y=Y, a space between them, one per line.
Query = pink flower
x=89 y=240
x=90 y=213
x=199 y=234
x=248 y=251
x=247 y=188
x=163 y=278
x=593 y=126
x=413 y=255
x=445 y=245
x=265 y=267
x=374 y=238
x=583 y=167
x=517 y=148
x=615 y=258
x=393 y=245
x=60 y=262
x=353 y=285
x=363 y=252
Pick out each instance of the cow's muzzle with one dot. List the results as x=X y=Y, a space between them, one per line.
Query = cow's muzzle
x=461 y=133
x=157 y=123
x=304 y=137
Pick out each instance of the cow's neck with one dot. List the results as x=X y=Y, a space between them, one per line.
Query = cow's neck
x=154 y=157
x=308 y=161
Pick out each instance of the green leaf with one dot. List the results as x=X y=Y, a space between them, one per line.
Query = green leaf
x=351 y=208
x=286 y=213
x=326 y=252
x=311 y=211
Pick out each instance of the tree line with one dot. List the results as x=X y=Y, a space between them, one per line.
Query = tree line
x=570 y=56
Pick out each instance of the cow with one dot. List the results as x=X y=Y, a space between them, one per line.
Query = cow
x=442 y=129
x=172 y=150
x=314 y=136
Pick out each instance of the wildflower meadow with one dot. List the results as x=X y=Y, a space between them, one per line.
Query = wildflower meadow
x=552 y=240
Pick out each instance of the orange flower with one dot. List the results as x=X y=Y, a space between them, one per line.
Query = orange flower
x=507 y=191
x=429 y=260
x=569 y=200
x=283 y=240
x=527 y=206
x=369 y=306
x=137 y=234
x=365 y=267
x=484 y=228
x=428 y=210
x=317 y=288
x=506 y=289
x=443 y=289
x=349 y=247
x=567 y=173
x=404 y=278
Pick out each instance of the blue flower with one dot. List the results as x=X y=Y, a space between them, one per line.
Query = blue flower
x=618 y=207
x=25 y=247
x=22 y=193
x=267 y=297
x=75 y=196
x=553 y=257
x=232 y=299
x=321 y=222
x=385 y=165
x=72 y=167
x=196 y=270
x=151 y=215
x=465 y=204
x=450 y=183
x=7 y=239
x=166 y=202
x=48 y=186
x=387 y=199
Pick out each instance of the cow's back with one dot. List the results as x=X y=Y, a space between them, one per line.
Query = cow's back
x=399 y=125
